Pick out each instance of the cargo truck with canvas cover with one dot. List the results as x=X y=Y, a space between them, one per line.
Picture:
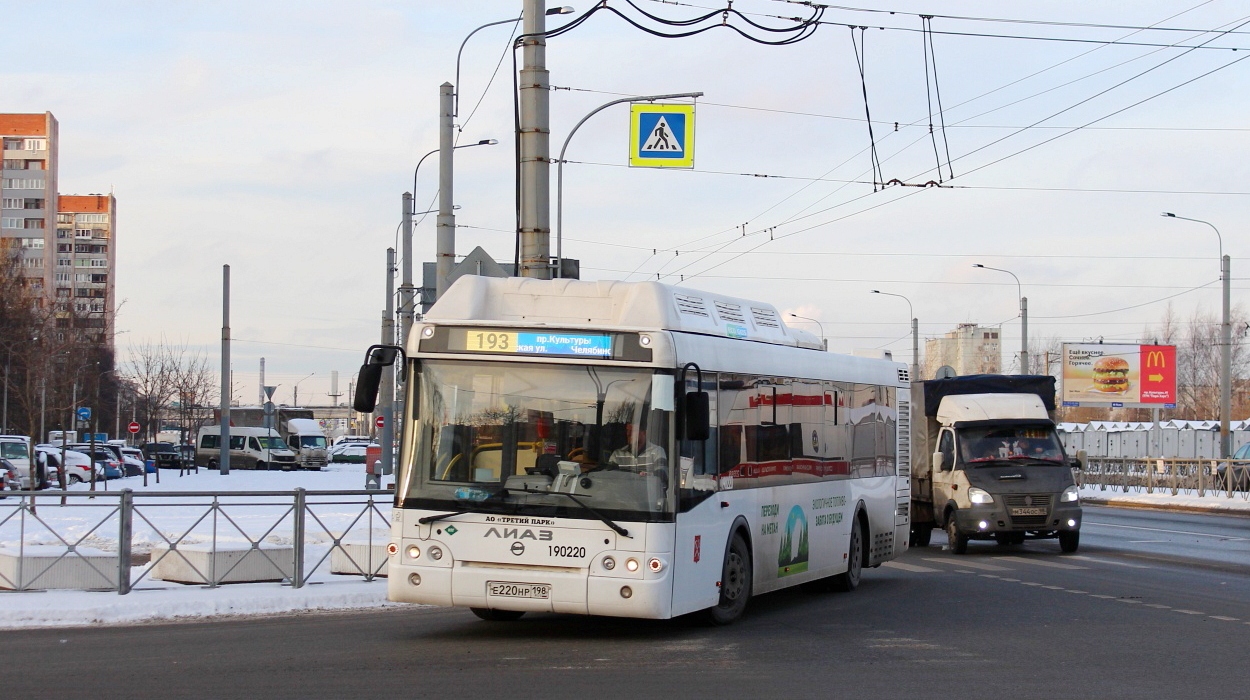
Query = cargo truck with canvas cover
x=988 y=465
x=635 y=450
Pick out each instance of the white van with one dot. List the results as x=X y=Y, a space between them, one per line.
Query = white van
x=77 y=466
x=250 y=448
x=16 y=449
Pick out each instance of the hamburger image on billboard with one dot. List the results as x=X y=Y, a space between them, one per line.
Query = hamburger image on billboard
x=1110 y=375
x=1097 y=373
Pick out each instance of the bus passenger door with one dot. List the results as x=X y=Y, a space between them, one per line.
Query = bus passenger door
x=702 y=525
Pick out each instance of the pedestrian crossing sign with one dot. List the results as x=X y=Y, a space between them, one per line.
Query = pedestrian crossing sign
x=661 y=135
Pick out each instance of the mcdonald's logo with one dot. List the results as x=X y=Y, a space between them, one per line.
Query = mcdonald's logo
x=1156 y=358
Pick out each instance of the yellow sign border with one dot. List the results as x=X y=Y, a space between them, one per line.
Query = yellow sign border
x=636 y=110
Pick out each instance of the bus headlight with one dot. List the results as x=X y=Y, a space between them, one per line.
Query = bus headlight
x=609 y=563
x=436 y=553
x=979 y=496
x=414 y=552
x=631 y=564
x=1072 y=494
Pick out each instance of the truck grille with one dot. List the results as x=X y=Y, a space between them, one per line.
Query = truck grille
x=1029 y=500
x=280 y=458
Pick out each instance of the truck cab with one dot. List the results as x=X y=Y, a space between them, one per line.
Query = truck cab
x=306 y=439
x=992 y=466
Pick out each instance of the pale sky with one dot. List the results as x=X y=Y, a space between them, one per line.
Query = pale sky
x=278 y=137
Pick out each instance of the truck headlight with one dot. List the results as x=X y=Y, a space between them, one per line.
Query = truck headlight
x=1072 y=494
x=979 y=496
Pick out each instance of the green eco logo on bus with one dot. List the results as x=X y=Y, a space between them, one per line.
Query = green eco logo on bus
x=792 y=555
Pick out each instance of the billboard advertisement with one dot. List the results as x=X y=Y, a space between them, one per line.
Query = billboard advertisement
x=1128 y=376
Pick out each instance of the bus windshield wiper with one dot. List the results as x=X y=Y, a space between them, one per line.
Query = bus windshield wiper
x=605 y=519
x=500 y=494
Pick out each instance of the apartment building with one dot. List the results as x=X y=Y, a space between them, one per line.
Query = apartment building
x=84 y=271
x=969 y=349
x=28 y=192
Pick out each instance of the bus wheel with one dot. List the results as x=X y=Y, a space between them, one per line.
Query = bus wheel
x=849 y=580
x=493 y=615
x=735 y=584
x=1069 y=540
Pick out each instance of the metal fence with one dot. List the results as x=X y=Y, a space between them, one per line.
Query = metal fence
x=117 y=540
x=1228 y=478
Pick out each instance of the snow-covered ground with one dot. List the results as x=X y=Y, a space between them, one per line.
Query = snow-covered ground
x=267 y=520
x=188 y=520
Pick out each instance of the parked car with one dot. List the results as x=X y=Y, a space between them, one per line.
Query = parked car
x=351 y=452
x=9 y=478
x=78 y=469
x=108 y=461
x=165 y=455
x=16 y=449
x=136 y=455
x=1241 y=472
x=131 y=466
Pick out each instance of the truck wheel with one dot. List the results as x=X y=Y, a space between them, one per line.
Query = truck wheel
x=958 y=540
x=735 y=584
x=921 y=534
x=849 y=580
x=261 y=466
x=1069 y=540
x=492 y=615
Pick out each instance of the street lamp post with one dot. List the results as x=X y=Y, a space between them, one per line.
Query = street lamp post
x=824 y=342
x=1226 y=341
x=560 y=163
x=915 y=334
x=1024 y=317
x=296 y=390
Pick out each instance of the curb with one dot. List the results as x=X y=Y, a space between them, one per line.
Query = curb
x=1175 y=508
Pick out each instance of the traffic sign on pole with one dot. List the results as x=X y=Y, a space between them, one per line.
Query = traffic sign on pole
x=380 y=422
x=84 y=413
x=133 y=428
x=661 y=135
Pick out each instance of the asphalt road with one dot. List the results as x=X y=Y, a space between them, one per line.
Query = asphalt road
x=1155 y=605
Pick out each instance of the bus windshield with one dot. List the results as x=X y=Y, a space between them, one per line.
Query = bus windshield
x=983 y=445
x=520 y=438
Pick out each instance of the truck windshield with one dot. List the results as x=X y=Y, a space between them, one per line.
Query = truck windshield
x=312 y=441
x=14 y=450
x=505 y=437
x=982 y=445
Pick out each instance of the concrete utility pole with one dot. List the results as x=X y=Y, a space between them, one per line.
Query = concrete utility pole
x=223 y=459
x=446 y=226
x=535 y=135
x=1024 y=335
x=386 y=405
x=406 y=291
x=260 y=388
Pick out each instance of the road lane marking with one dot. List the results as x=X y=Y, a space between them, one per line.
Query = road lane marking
x=1104 y=597
x=909 y=567
x=1107 y=561
x=1054 y=588
x=1013 y=580
x=1073 y=590
x=1160 y=607
x=1170 y=532
x=968 y=564
x=1148 y=541
x=1189 y=612
x=990 y=576
x=1226 y=619
x=1029 y=583
x=1126 y=600
x=1041 y=562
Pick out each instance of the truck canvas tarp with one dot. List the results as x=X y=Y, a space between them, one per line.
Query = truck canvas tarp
x=937 y=389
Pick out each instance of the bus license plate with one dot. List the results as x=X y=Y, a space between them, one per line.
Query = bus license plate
x=504 y=589
x=1028 y=511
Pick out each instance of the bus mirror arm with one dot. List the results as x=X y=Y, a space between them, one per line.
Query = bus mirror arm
x=376 y=358
x=695 y=420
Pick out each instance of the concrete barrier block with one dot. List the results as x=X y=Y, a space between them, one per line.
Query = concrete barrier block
x=194 y=564
x=360 y=561
x=43 y=567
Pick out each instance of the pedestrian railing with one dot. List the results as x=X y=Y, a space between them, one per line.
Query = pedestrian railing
x=1228 y=478
x=118 y=540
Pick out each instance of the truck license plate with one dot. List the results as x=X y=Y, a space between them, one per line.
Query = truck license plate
x=1028 y=511
x=504 y=589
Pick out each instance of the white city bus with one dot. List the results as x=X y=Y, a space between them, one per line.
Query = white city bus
x=547 y=460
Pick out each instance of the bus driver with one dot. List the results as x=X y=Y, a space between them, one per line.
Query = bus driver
x=637 y=454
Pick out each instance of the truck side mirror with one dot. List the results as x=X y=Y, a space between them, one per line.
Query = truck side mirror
x=938 y=463
x=1082 y=457
x=698 y=416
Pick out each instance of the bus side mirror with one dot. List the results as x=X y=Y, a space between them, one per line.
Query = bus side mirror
x=370 y=378
x=698 y=416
